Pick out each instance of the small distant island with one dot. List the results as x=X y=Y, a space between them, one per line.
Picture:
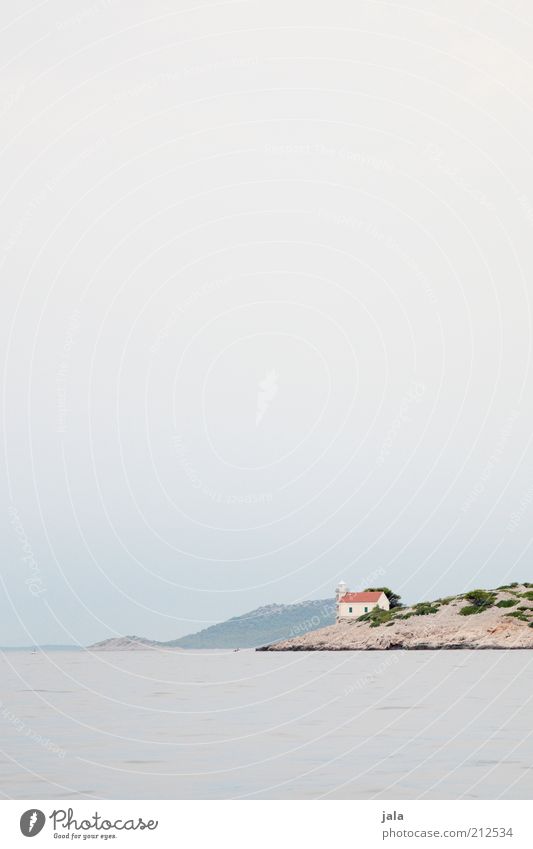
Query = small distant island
x=375 y=619
x=130 y=643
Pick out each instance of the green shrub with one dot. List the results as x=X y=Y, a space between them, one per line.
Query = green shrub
x=507 y=602
x=471 y=609
x=423 y=608
x=480 y=600
x=375 y=617
x=518 y=615
x=528 y=595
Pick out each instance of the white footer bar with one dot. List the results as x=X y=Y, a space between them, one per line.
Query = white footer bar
x=267 y=824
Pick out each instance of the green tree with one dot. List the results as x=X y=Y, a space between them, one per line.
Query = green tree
x=394 y=598
x=480 y=598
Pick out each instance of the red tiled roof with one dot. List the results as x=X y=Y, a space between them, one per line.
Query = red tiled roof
x=360 y=597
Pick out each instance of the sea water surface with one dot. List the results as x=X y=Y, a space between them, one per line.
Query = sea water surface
x=220 y=725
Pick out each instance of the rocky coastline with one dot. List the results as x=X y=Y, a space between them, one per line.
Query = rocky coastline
x=482 y=619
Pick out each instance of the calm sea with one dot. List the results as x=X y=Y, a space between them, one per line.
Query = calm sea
x=361 y=725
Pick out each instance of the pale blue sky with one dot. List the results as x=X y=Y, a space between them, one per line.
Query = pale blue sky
x=265 y=308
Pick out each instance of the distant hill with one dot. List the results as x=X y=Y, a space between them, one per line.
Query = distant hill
x=129 y=643
x=264 y=625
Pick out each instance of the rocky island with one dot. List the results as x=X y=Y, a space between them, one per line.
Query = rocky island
x=129 y=643
x=480 y=619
